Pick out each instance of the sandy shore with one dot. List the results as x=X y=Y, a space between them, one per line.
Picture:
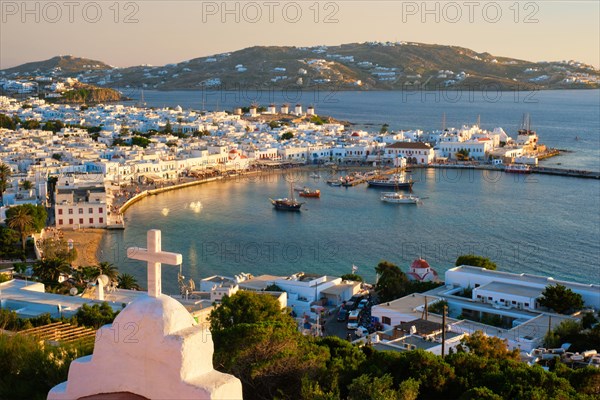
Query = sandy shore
x=87 y=243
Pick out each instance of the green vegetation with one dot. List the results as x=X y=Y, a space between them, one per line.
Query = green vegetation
x=475 y=261
x=352 y=277
x=462 y=155
x=574 y=332
x=384 y=128
x=5 y=174
x=315 y=119
x=287 y=136
x=140 y=141
x=127 y=281
x=9 y=240
x=95 y=316
x=7 y=122
x=561 y=299
x=29 y=368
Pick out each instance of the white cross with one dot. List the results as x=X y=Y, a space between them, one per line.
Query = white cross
x=154 y=256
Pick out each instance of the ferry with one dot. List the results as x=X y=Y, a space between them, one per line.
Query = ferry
x=399 y=198
x=518 y=169
x=394 y=181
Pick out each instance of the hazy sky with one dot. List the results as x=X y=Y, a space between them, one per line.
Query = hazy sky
x=157 y=32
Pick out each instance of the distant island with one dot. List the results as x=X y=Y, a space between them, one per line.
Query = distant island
x=356 y=66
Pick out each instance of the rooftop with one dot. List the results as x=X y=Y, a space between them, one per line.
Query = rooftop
x=509 y=288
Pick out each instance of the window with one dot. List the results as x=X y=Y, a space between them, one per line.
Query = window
x=514 y=302
x=489 y=298
x=100 y=220
x=81 y=220
x=60 y=221
x=90 y=210
x=60 y=211
x=80 y=211
x=386 y=320
x=526 y=304
x=100 y=210
x=70 y=221
x=70 y=211
x=91 y=220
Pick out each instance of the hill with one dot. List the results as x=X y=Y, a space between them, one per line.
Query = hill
x=356 y=66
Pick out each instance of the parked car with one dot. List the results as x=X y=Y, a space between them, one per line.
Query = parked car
x=342 y=315
x=353 y=319
x=363 y=304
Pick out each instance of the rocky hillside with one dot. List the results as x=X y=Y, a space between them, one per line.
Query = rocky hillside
x=357 y=66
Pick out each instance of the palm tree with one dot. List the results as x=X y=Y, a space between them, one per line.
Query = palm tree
x=49 y=270
x=109 y=270
x=127 y=281
x=26 y=185
x=86 y=274
x=22 y=222
x=5 y=174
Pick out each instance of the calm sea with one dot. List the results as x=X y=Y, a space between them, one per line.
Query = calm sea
x=537 y=224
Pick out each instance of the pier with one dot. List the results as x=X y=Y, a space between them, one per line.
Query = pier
x=576 y=173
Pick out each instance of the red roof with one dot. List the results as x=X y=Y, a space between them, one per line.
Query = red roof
x=420 y=263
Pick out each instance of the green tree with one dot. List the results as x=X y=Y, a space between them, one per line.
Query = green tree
x=5 y=174
x=30 y=368
x=561 y=299
x=8 y=243
x=487 y=346
x=140 y=141
x=480 y=393
x=128 y=281
x=373 y=388
x=247 y=308
x=352 y=277
x=50 y=269
x=26 y=185
x=37 y=213
x=409 y=389
x=21 y=221
x=287 y=135
x=109 y=270
x=475 y=261
x=391 y=283
x=384 y=128
x=31 y=124
x=95 y=316
x=7 y=122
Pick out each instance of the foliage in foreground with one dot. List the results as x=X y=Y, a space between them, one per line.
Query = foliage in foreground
x=29 y=369
x=266 y=352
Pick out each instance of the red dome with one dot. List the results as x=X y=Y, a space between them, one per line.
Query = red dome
x=355 y=134
x=420 y=263
x=233 y=151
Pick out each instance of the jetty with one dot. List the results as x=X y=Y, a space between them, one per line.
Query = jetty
x=576 y=173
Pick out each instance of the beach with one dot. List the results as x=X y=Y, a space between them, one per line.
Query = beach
x=87 y=243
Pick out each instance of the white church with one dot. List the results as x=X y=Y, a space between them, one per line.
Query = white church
x=154 y=349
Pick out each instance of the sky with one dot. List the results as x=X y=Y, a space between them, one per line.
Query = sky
x=158 y=32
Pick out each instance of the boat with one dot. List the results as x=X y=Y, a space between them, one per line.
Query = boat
x=399 y=198
x=394 y=181
x=334 y=182
x=314 y=175
x=518 y=169
x=286 y=204
x=310 y=193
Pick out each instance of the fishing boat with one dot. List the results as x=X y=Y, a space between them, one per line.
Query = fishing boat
x=399 y=198
x=286 y=204
x=518 y=169
x=315 y=175
x=334 y=182
x=310 y=193
x=394 y=181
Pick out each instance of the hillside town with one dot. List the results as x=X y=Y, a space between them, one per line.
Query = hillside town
x=94 y=152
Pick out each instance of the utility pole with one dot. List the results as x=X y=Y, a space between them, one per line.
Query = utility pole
x=444 y=331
